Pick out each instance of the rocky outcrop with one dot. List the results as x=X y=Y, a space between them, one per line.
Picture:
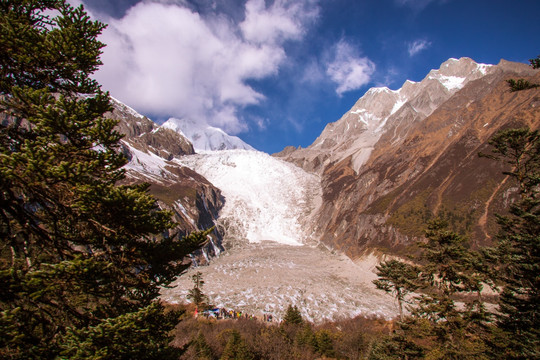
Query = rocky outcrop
x=145 y=135
x=380 y=110
x=398 y=158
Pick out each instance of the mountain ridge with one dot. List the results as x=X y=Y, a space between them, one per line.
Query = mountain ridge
x=370 y=113
x=382 y=184
x=393 y=161
x=367 y=198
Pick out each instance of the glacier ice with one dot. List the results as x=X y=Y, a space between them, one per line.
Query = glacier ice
x=265 y=198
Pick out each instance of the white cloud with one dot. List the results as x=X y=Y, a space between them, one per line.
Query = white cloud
x=418 y=45
x=348 y=69
x=282 y=20
x=167 y=60
x=260 y=122
x=313 y=73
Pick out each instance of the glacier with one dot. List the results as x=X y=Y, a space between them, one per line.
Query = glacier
x=264 y=278
x=271 y=259
x=265 y=198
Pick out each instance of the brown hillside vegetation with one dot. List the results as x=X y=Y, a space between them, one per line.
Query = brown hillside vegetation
x=346 y=339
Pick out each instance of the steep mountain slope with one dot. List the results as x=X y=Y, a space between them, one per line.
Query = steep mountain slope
x=370 y=181
x=399 y=157
x=194 y=201
x=205 y=137
x=356 y=133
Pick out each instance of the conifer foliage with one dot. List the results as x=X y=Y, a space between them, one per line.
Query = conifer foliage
x=80 y=264
x=293 y=315
x=398 y=278
x=535 y=63
x=518 y=250
x=196 y=294
x=437 y=327
x=236 y=348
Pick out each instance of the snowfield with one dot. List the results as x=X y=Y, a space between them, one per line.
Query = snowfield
x=271 y=261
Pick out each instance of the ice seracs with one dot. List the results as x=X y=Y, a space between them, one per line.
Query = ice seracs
x=265 y=198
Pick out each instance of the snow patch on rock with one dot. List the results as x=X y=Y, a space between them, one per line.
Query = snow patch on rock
x=127 y=109
x=149 y=164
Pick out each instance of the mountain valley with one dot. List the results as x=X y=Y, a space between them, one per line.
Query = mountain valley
x=364 y=189
x=174 y=221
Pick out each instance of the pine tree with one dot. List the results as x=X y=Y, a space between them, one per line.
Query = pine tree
x=81 y=263
x=438 y=328
x=517 y=252
x=196 y=294
x=202 y=349
x=396 y=347
x=236 y=348
x=398 y=278
x=449 y=268
x=448 y=262
x=325 y=344
x=137 y=335
x=306 y=337
x=293 y=316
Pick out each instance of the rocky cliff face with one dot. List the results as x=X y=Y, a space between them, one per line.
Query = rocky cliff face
x=145 y=135
x=398 y=158
x=194 y=201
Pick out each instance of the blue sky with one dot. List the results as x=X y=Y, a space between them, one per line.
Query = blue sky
x=275 y=72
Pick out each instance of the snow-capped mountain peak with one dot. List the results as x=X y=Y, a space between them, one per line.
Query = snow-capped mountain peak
x=205 y=137
x=455 y=73
x=381 y=109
